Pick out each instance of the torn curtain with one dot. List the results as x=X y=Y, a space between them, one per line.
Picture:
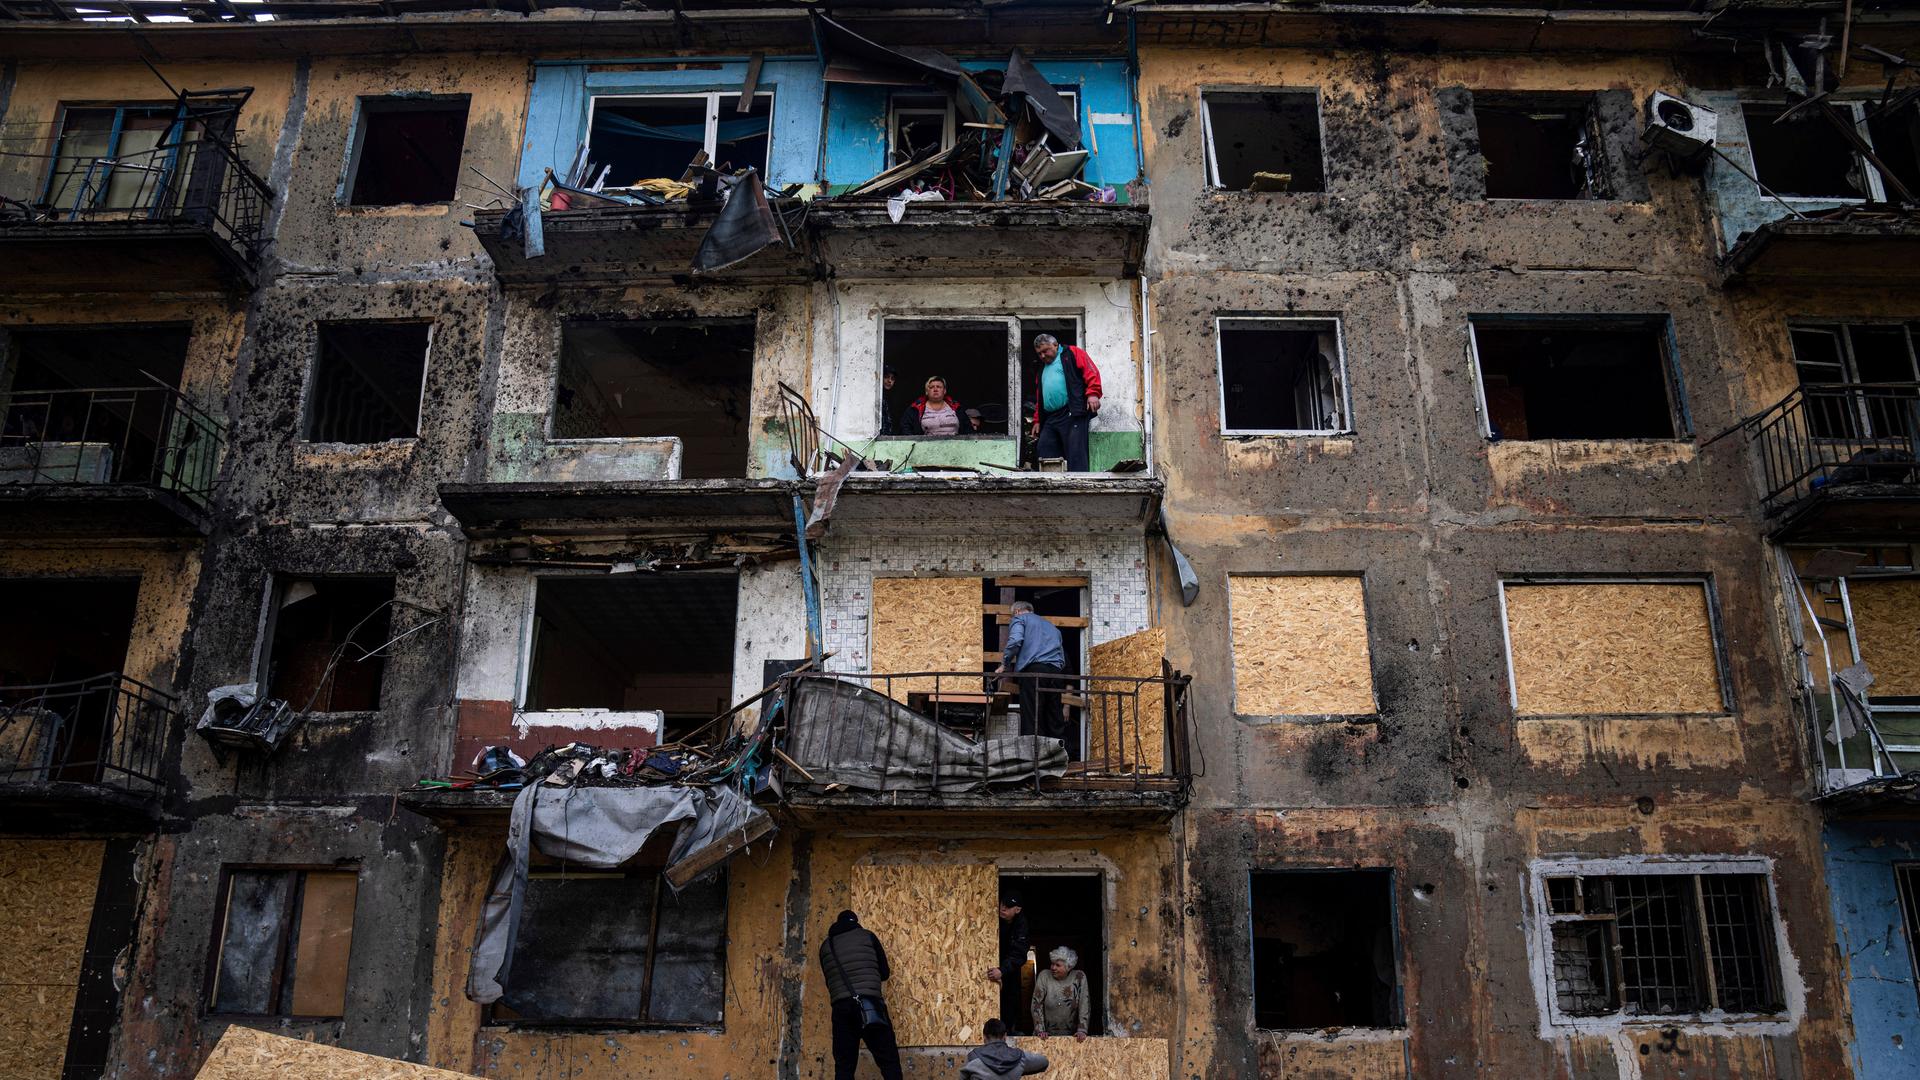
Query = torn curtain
x=744 y=226
x=843 y=733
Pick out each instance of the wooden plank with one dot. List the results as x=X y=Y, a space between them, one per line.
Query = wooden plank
x=1042 y=582
x=1100 y=1059
x=1582 y=649
x=924 y=624
x=1300 y=646
x=713 y=854
x=937 y=924
x=1122 y=729
x=325 y=941
x=1080 y=621
x=245 y=1054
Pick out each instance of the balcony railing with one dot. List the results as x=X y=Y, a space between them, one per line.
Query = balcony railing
x=107 y=731
x=1830 y=437
x=147 y=436
x=954 y=731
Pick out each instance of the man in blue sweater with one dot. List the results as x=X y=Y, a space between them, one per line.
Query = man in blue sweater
x=1034 y=646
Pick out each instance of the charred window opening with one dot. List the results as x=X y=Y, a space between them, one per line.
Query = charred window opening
x=367 y=382
x=1541 y=146
x=1805 y=156
x=326 y=653
x=690 y=380
x=648 y=138
x=284 y=940
x=1833 y=359
x=971 y=356
x=1281 y=376
x=407 y=151
x=1662 y=944
x=634 y=642
x=104 y=390
x=918 y=124
x=1608 y=379
x=1061 y=910
x=60 y=714
x=1324 y=950
x=1264 y=140
x=1895 y=135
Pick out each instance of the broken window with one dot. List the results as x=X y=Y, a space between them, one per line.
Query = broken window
x=1281 y=377
x=1575 y=379
x=406 y=150
x=685 y=379
x=367 y=382
x=634 y=642
x=1061 y=910
x=284 y=940
x=1895 y=135
x=1541 y=146
x=1806 y=157
x=1612 y=648
x=619 y=947
x=1325 y=954
x=327 y=634
x=1263 y=140
x=631 y=139
x=1661 y=943
x=918 y=124
x=121 y=157
x=1830 y=357
x=93 y=405
x=972 y=356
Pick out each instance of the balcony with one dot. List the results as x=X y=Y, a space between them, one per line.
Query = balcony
x=1871 y=245
x=117 y=461
x=84 y=755
x=992 y=240
x=186 y=215
x=626 y=245
x=1838 y=462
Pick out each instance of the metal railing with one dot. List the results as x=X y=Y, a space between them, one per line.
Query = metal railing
x=108 y=730
x=152 y=436
x=1122 y=732
x=1824 y=437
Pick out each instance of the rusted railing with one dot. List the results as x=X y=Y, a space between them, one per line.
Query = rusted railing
x=151 y=436
x=108 y=730
x=1824 y=437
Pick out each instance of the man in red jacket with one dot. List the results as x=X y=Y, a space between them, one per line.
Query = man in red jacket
x=1065 y=392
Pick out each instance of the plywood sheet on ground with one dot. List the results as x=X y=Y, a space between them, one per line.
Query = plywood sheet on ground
x=937 y=924
x=925 y=624
x=46 y=902
x=1886 y=617
x=1126 y=721
x=1300 y=646
x=245 y=1054
x=1599 y=649
x=1101 y=1059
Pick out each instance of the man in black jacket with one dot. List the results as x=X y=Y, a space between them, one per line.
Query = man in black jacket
x=855 y=966
x=1013 y=957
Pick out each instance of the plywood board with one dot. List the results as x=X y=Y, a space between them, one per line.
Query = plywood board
x=46 y=902
x=245 y=1054
x=936 y=922
x=326 y=940
x=1124 y=727
x=925 y=624
x=1100 y=1059
x=1886 y=618
x=1612 y=649
x=1300 y=646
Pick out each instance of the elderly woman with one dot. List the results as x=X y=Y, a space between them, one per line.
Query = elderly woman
x=1060 y=996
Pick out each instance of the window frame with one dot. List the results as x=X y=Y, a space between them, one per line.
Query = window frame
x=269 y=628
x=949 y=125
x=1212 y=162
x=1842 y=330
x=1856 y=107
x=1399 y=1006
x=711 y=144
x=317 y=350
x=1596 y=186
x=120 y=109
x=356 y=142
x=1541 y=920
x=216 y=946
x=1906 y=885
x=1341 y=382
x=1010 y=319
x=1660 y=322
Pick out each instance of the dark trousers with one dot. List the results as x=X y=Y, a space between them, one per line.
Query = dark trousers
x=1013 y=1011
x=847 y=1034
x=1042 y=712
x=1064 y=435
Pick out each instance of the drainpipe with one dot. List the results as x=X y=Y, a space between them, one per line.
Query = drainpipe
x=807 y=585
x=1146 y=376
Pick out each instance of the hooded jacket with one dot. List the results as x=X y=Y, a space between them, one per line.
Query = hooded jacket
x=1083 y=379
x=998 y=1061
x=910 y=416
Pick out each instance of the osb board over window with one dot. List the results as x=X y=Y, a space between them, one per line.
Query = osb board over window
x=46 y=902
x=926 y=624
x=1099 y=1059
x=936 y=923
x=1612 y=649
x=245 y=1054
x=1300 y=646
x=1127 y=721
x=1886 y=617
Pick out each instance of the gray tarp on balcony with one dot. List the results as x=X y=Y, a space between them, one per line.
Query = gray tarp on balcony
x=843 y=733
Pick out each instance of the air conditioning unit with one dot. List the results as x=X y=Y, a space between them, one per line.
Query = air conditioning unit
x=1679 y=127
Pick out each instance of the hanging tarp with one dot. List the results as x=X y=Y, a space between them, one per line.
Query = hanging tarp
x=1024 y=83
x=745 y=225
x=840 y=732
x=851 y=58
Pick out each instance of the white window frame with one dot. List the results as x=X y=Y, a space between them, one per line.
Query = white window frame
x=948 y=129
x=711 y=97
x=1011 y=320
x=1206 y=125
x=1661 y=322
x=1877 y=191
x=1705 y=581
x=1346 y=426
x=313 y=381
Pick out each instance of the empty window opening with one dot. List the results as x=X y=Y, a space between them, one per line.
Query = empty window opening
x=107 y=391
x=1906 y=878
x=1831 y=356
x=634 y=642
x=1805 y=157
x=1281 y=376
x=326 y=654
x=1662 y=944
x=122 y=157
x=1540 y=146
x=919 y=124
x=1060 y=910
x=60 y=657
x=407 y=151
x=284 y=940
x=1264 y=140
x=1895 y=135
x=367 y=382
x=1575 y=380
x=970 y=355
x=647 y=138
x=1324 y=950
x=690 y=380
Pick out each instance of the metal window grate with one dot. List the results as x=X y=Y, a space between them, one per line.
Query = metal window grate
x=1656 y=934
x=1735 y=911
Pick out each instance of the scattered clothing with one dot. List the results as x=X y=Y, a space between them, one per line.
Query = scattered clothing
x=996 y=1060
x=1060 y=1005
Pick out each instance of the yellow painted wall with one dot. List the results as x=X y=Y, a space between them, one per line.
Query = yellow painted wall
x=46 y=903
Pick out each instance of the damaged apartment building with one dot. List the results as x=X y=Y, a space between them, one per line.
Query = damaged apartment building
x=511 y=515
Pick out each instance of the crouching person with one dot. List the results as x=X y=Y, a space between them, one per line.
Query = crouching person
x=855 y=966
x=995 y=1060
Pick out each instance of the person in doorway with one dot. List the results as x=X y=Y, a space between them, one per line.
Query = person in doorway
x=855 y=966
x=1065 y=393
x=995 y=1060
x=934 y=415
x=1060 y=996
x=1034 y=646
x=889 y=407
x=1013 y=956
